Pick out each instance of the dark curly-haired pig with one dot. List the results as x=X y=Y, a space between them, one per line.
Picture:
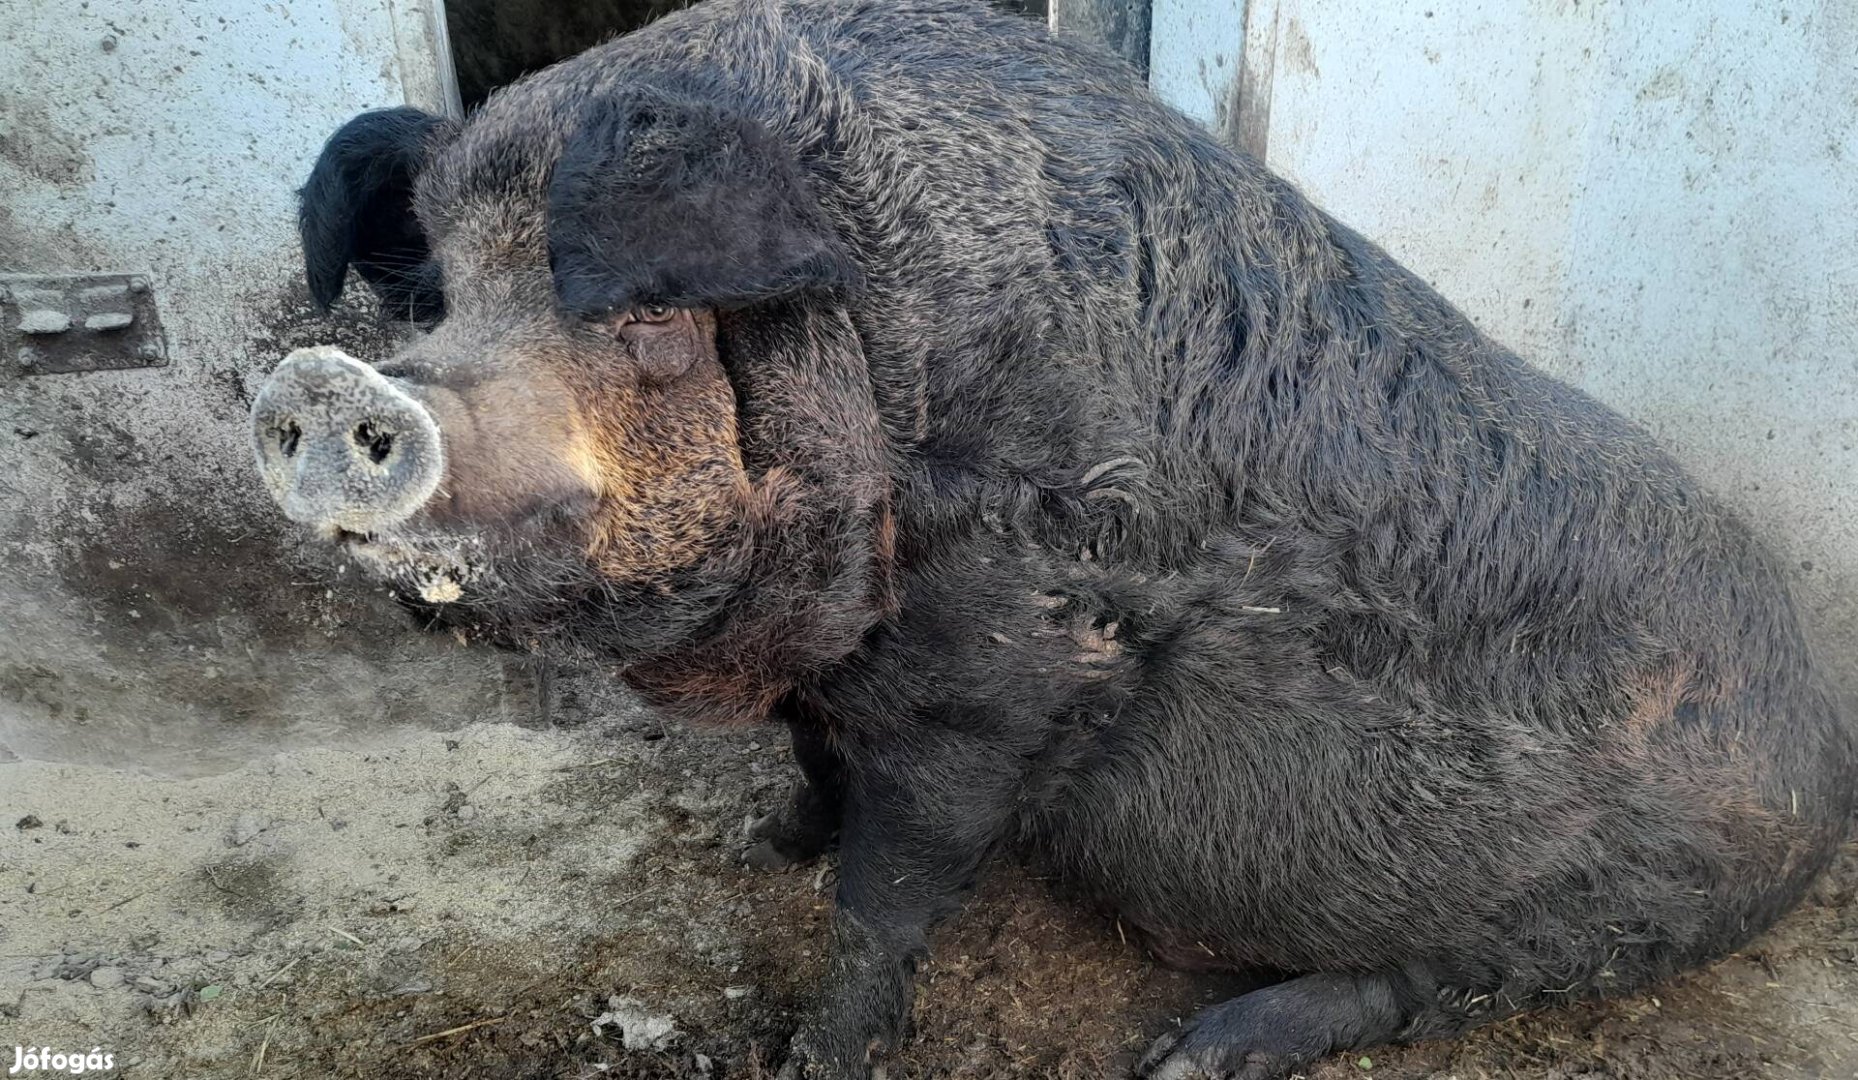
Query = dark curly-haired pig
x=1069 y=486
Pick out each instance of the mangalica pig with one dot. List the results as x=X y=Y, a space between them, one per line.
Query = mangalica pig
x=1068 y=485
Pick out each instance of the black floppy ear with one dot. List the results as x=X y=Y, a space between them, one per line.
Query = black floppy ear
x=673 y=201
x=357 y=209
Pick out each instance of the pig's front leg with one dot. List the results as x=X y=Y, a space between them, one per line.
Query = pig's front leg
x=921 y=810
x=808 y=824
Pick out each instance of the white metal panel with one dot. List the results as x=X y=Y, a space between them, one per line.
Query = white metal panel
x=1194 y=53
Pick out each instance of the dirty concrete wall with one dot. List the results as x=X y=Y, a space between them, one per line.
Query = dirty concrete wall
x=152 y=610
x=1657 y=200
x=1194 y=51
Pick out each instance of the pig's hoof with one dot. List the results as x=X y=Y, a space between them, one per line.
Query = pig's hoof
x=767 y=855
x=777 y=846
x=797 y=833
x=1270 y=1033
x=1229 y=1042
x=1170 y=1059
x=804 y=1065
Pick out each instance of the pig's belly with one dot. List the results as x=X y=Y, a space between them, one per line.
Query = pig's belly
x=1298 y=847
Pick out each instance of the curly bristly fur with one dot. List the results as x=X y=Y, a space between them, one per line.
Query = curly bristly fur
x=1104 y=498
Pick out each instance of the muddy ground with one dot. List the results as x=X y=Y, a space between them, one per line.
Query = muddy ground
x=505 y=903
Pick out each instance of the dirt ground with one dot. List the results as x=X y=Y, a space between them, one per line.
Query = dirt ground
x=503 y=903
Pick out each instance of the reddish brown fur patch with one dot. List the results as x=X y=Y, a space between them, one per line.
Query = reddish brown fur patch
x=666 y=461
x=712 y=695
x=884 y=546
x=1655 y=696
x=1710 y=775
x=773 y=500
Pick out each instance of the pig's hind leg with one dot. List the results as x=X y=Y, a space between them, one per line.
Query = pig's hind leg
x=1269 y=1033
x=808 y=825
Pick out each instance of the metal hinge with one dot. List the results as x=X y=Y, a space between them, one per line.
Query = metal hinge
x=54 y=324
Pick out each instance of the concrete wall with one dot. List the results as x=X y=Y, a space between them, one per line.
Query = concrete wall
x=1195 y=49
x=1657 y=200
x=152 y=611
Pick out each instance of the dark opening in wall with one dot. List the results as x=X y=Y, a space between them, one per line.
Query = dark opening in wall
x=495 y=42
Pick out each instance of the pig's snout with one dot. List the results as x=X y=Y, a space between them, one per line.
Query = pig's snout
x=342 y=446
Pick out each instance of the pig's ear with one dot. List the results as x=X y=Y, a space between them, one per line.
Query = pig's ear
x=357 y=210
x=678 y=202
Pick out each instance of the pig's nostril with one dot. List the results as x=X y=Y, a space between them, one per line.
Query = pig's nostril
x=376 y=442
x=287 y=438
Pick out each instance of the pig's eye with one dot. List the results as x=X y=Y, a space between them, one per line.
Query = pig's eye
x=639 y=315
x=628 y=323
